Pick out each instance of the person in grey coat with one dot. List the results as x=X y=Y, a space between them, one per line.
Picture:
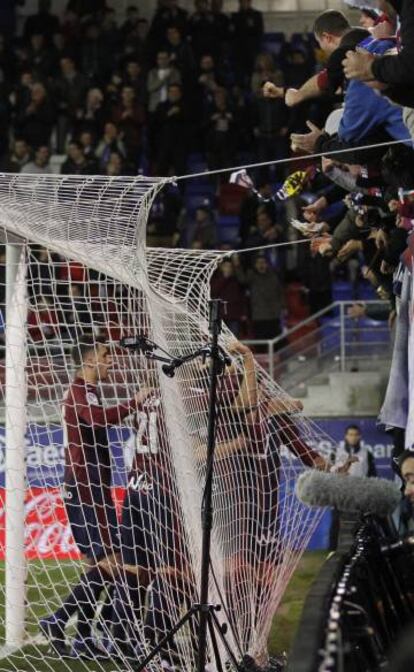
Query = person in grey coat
x=159 y=79
x=266 y=297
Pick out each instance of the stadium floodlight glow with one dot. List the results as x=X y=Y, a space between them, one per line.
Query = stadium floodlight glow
x=105 y=283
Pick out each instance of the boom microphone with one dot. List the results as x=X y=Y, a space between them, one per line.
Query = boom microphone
x=140 y=343
x=353 y=494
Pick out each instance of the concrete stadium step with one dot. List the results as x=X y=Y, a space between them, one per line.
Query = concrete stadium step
x=347 y=393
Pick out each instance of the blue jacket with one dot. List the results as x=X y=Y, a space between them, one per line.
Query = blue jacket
x=366 y=111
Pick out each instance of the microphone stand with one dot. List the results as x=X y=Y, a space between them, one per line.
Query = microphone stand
x=208 y=622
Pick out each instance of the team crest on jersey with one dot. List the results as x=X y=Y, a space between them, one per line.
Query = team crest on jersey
x=92 y=399
x=66 y=494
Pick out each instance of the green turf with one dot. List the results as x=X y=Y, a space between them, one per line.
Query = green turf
x=38 y=659
x=49 y=581
x=288 y=614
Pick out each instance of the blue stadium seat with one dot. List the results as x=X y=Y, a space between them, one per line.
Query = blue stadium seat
x=194 y=201
x=273 y=43
x=303 y=38
x=201 y=186
x=373 y=331
x=274 y=37
x=228 y=220
x=366 y=337
x=330 y=335
x=228 y=229
x=229 y=236
x=366 y=291
x=342 y=291
x=196 y=163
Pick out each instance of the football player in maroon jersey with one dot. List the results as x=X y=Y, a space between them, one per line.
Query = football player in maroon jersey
x=87 y=491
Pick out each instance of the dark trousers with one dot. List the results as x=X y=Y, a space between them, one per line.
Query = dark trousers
x=266 y=329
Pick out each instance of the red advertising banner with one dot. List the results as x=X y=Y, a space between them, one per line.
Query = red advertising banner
x=48 y=533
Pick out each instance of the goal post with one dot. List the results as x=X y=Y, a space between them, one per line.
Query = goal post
x=82 y=270
x=15 y=437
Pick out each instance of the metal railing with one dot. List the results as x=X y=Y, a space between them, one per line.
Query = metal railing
x=326 y=340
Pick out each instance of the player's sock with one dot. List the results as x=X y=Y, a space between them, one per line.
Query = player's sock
x=122 y=615
x=84 y=598
x=97 y=580
x=163 y=612
x=128 y=606
x=105 y=617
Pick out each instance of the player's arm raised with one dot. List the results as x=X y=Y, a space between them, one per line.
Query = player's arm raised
x=278 y=405
x=224 y=448
x=289 y=435
x=94 y=414
x=248 y=395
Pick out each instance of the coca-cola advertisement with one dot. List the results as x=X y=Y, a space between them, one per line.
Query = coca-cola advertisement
x=47 y=530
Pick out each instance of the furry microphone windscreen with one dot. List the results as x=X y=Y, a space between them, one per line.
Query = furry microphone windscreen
x=351 y=494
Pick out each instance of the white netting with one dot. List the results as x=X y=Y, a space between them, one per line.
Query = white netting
x=90 y=279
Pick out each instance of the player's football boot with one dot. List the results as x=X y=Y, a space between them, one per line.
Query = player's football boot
x=132 y=652
x=87 y=649
x=53 y=631
x=172 y=661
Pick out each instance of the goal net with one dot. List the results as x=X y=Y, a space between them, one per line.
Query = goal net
x=78 y=272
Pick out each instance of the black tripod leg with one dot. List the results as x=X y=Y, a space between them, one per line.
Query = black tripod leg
x=190 y=613
x=230 y=653
x=216 y=367
x=213 y=638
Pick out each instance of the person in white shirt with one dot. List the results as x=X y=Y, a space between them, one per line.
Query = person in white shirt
x=40 y=164
x=351 y=446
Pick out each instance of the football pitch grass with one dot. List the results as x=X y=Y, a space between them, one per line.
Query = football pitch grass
x=49 y=580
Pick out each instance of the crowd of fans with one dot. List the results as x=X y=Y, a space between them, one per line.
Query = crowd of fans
x=189 y=92
x=82 y=94
x=357 y=205
x=149 y=93
x=185 y=92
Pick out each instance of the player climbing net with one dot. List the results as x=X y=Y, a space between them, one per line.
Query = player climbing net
x=77 y=265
